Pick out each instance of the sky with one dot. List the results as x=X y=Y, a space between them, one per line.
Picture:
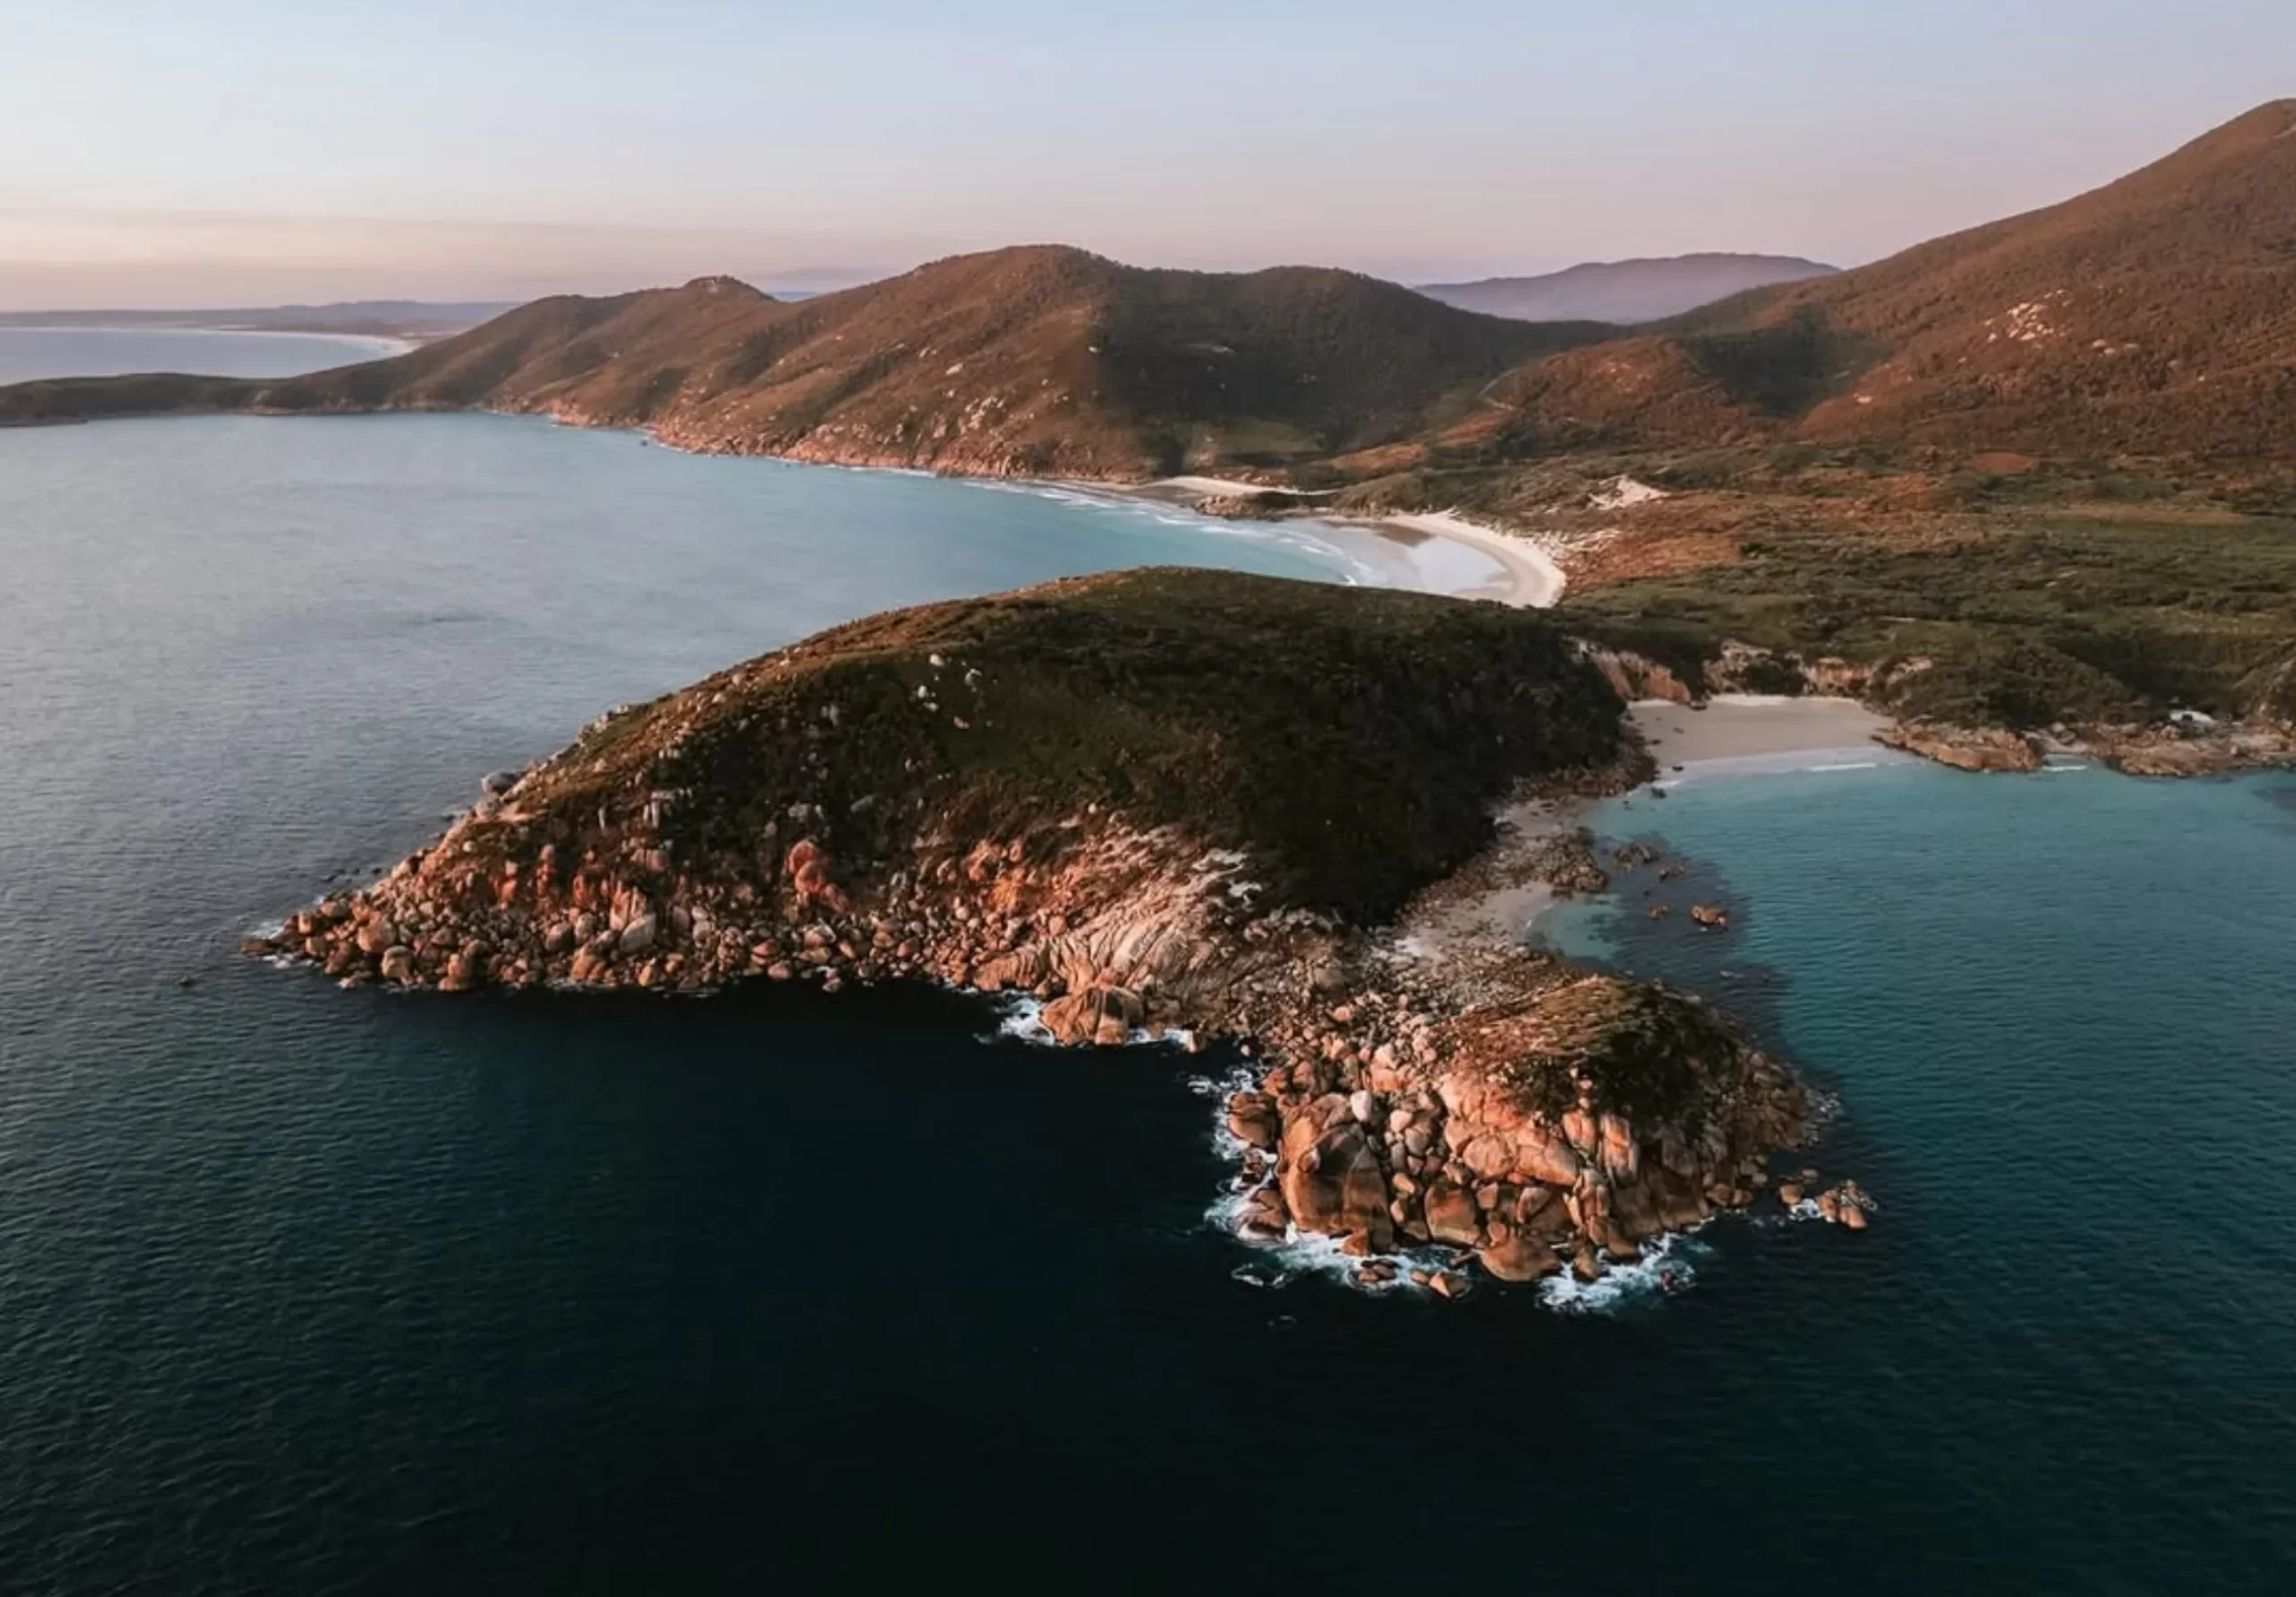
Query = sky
x=163 y=154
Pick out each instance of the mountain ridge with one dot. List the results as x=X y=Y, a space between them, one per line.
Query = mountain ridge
x=1627 y=293
x=2154 y=315
x=1071 y=364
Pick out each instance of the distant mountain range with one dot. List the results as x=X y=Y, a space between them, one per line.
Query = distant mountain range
x=2155 y=317
x=1625 y=291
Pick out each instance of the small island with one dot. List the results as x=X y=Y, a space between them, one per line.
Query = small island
x=1163 y=804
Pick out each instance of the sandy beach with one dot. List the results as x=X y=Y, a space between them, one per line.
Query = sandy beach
x=382 y=344
x=1734 y=732
x=1231 y=488
x=1532 y=580
x=1528 y=576
x=1744 y=726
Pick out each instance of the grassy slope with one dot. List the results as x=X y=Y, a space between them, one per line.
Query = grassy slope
x=2155 y=317
x=2056 y=455
x=1352 y=739
x=2032 y=616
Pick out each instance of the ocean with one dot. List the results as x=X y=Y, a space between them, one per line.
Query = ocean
x=29 y=353
x=307 y=1290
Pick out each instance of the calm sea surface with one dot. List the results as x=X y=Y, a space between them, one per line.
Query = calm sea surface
x=28 y=353
x=305 y=1291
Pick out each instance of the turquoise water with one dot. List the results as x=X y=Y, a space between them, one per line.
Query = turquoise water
x=29 y=353
x=2057 y=1012
x=303 y=1289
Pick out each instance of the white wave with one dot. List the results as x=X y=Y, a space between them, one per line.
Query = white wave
x=1022 y=1020
x=1667 y=1266
x=1300 y=1253
x=1351 y=570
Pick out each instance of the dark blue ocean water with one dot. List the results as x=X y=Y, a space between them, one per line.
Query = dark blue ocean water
x=306 y=1290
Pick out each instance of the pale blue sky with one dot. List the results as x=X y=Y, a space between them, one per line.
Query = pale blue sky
x=235 y=151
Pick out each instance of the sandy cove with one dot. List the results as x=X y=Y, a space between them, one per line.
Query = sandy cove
x=1737 y=726
x=1544 y=855
x=1533 y=579
x=1529 y=578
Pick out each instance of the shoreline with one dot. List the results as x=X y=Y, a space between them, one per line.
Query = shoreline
x=386 y=346
x=1528 y=576
x=1541 y=848
x=1737 y=729
x=1533 y=579
x=1430 y=1105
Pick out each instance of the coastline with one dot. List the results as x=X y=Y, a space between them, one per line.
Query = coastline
x=1387 y=1119
x=1528 y=577
x=385 y=346
x=1542 y=854
x=1732 y=729
x=1534 y=581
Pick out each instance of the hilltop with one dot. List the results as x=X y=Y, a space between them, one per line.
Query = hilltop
x=2040 y=476
x=1030 y=361
x=2040 y=472
x=1625 y=292
x=1350 y=739
x=2154 y=316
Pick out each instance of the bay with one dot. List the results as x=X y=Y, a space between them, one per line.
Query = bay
x=311 y=1290
x=30 y=352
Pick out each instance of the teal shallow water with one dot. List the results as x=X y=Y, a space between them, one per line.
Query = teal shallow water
x=2059 y=1013
x=308 y=1290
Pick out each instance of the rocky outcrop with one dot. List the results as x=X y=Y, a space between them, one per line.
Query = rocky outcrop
x=787 y=821
x=1966 y=747
x=1744 y=668
x=1269 y=504
x=1636 y=676
x=2180 y=746
x=2187 y=746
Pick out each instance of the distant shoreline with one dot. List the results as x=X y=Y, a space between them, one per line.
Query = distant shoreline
x=385 y=344
x=1530 y=578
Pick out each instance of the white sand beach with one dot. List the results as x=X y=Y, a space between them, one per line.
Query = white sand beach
x=1527 y=577
x=1532 y=580
x=1744 y=726
x=1230 y=488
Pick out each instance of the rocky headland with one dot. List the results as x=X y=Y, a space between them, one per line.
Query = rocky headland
x=2178 y=743
x=1161 y=803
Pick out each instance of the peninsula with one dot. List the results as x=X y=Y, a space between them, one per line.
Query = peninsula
x=1162 y=801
